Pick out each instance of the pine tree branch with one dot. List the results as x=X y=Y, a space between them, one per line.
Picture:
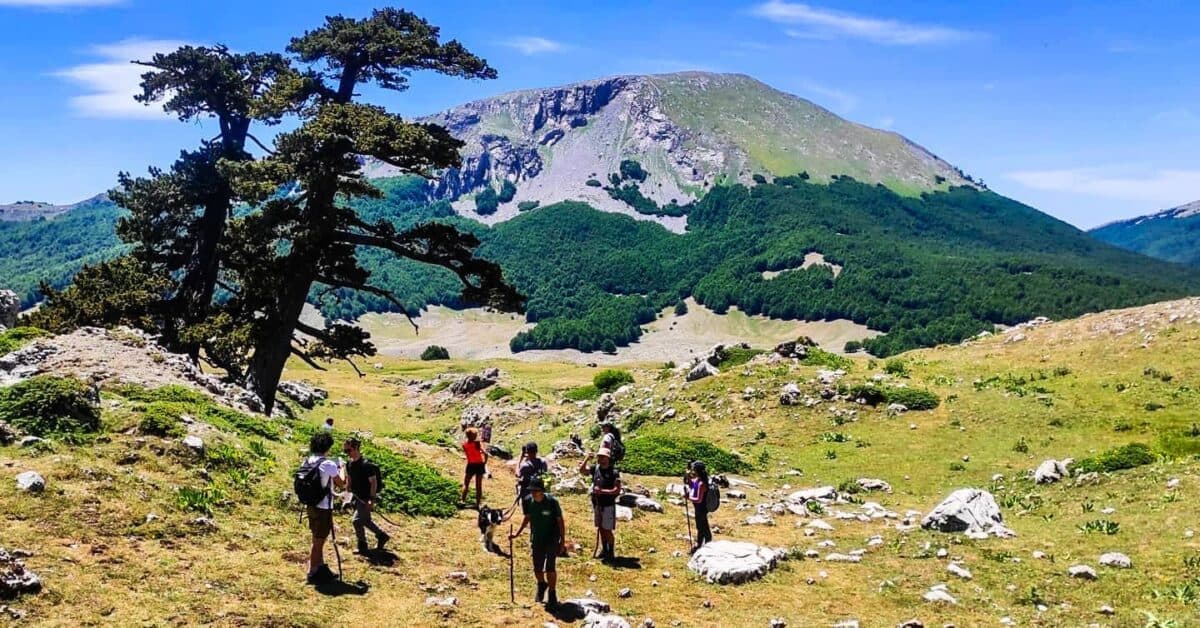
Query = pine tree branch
x=260 y=144
x=362 y=287
x=307 y=359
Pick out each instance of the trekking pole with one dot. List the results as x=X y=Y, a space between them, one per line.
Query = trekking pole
x=336 y=551
x=688 y=517
x=512 y=587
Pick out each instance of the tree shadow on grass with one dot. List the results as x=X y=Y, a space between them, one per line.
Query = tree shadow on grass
x=338 y=588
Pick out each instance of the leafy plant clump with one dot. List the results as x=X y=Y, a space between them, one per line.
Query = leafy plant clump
x=912 y=398
x=435 y=352
x=17 y=337
x=669 y=456
x=609 y=380
x=736 y=356
x=1116 y=459
x=497 y=393
x=525 y=206
x=185 y=400
x=45 y=405
x=412 y=488
x=162 y=418
x=820 y=357
x=583 y=393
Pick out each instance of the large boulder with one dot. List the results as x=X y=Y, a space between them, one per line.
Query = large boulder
x=968 y=510
x=701 y=370
x=305 y=395
x=471 y=384
x=15 y=580
x=733 y=562
x=567 y=448
x=571 y=485
x=8 y=434
x=31 y=482
x=602 y=620
x=790 y=395
x=10 y=308
x=641 y=502
x=604 y=407
x=1051 y=471
x=579 y=608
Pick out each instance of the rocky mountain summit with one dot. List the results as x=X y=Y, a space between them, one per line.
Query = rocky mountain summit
x=688 y=131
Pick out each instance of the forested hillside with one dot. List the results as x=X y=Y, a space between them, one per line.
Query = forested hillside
x=1172 y=235
x=52 y=249
x=927 y=270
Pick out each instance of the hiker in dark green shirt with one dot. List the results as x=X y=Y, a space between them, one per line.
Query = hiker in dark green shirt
x=547 y=535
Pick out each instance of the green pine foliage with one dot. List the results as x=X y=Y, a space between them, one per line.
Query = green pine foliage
x=486 y=202
x=508 y=190
x=609 y=380
x=45 y=405
x=669 y=456
x=525 y=206
x=435 y=352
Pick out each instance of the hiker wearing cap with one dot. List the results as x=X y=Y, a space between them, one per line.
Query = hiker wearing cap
x=606 y=486
x=547 y=535
x=697 y=489
x=476 y=466
x=528 y=468
x=365 y=480
x=322 y=474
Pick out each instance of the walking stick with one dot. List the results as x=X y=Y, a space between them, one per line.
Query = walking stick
x=512 y=587
x=688 y=517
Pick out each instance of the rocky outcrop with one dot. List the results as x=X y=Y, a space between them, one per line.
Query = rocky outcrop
x=471 y=384
x=10 y=308
x=1051 y=471
x=968 y=510
x=15 y=579
x=733 y=562
x=305 y=395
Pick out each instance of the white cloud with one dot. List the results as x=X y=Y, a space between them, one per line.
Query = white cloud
x=111 y=82
x=838 y=100
x=886 y=122
x=534 y=45
x=59 y=4
x=826 y=24
x=1162 y=188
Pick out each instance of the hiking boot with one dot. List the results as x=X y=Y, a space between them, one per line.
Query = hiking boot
x=362 y=548
x=552 y=601
x=541 y=593
x=320 y=575
x=381 y=540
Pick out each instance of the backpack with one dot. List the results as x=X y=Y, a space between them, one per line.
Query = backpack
x=712 y=497
x=618 y=450
x=373 y=469
x=307 y=484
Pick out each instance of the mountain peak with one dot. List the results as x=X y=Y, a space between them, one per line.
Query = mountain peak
x=687 y=131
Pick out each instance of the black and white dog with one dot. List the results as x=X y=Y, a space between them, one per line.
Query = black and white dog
x=489 y=521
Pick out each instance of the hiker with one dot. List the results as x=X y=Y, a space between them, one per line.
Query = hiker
x=611 y=436
x=485 y=434
x=320 y=513
x=528 y=468
x=364 y=478
x=606 y=486
x=328 y=425
x=697 y=489
x=547 y=538
x=476 y=466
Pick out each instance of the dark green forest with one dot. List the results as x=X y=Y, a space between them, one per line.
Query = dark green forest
x=928 y=270
x=1170 y=239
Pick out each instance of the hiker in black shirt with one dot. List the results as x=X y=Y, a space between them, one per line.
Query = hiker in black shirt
x=364 y=486
x=606 y=486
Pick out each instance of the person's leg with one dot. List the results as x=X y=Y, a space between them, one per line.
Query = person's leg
x=358 y=520
x=552 y=576
x=539 y=572
x=478 y=490
x=466 y=484
x=316 y=555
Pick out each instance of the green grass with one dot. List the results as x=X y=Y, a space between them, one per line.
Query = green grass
x=737 y=356
x=17 y=337
x=669 y=456
x=45 y=405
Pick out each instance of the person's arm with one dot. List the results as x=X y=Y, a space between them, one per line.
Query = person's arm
x=373 y=484
x=583 y=465
x=562 y=533
x=701 y=489
x=339 y=480
x=524 y=522
x=615 y=490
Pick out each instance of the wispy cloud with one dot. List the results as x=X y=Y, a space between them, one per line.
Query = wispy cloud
x=1161 y=188
x=59 y=4
x=826 y=24
x=112 y=81
x=886 y=122
x=841 y=101
x=535 y=45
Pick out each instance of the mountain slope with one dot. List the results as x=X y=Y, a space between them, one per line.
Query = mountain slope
x=1172 y=234
x=688 y=131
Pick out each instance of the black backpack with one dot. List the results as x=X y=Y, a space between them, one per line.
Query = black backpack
x=307 y=484
x=712 y=497
x=373 y=469
x=618 y=450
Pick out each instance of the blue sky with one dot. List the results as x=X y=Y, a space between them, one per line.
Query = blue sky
x=1088 y=111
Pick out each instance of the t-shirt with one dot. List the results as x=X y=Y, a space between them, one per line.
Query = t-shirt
x=485 y=433
x=543 y=519
x=360 y=473
x=696 y=490
x=605 y=478
x=474 y=451
x=529 y=469
x=608 y=441
x=329 y=469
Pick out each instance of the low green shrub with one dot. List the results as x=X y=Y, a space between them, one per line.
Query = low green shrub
x=525 y=206
x=410 y=487
x=45 y=405
x=1103 y=526
x=737 y=356
x=162 y=418
x=171 y=393
x=583 y=393
x=896 y=367
x=435 y=352
x=639 y=419
x=497 y=393
x=820 y=357
x=912 y=398
x=609 y=380
x=225 y=456
x=17 y=337
x=1116 y=459
x=669 y=456
x=199 y=499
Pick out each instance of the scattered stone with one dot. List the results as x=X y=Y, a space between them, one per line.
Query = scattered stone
x=625 y=593
x=843 y=558
x=15 y=579
x=733 y=562
x=819 y=524
x=1082 y=572
x=441 y=601
x=912 y=623
x=701 y=371
x=624 y=513
x=8 y=434
x=959 y=570
x=599 y=620
x=1051 y=471
x=641 y=502
x=460 y=577
x=1173 y=483
x=777 y=623
x=195 y=444
x=942 y=552
x=1107 y=610
x=499 y=452
x=581 y=607
x=847 y=623
x=1116 y=559
x=1039 y=554
x=471 y=384
x=567 y=449
x=790 y=395
x=821 y=493
x=968 y=510
x=896 y=409
x=31 y=482
x=604 y=407
x=735 y=494
x=10 y=308
x=873 y=484
x=30 y=441
x=305 y=395
x=939 y=594
x=760 y=520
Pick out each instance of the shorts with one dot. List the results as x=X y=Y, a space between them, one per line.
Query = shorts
x=544 y=557
x=605 y=516
x=476 y=468
x=320 y=522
